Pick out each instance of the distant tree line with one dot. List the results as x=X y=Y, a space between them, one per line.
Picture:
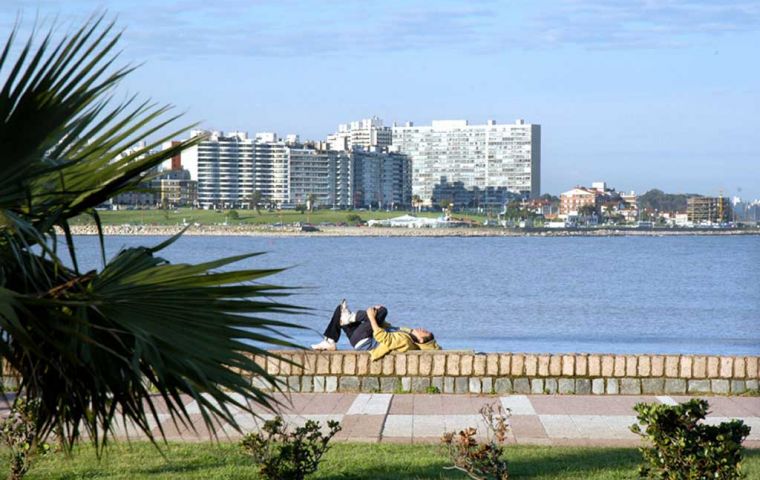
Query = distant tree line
x=664 y=202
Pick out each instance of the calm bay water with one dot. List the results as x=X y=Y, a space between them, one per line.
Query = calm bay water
x=522 y=294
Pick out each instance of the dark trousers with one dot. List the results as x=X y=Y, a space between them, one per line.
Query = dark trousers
x=356 y=331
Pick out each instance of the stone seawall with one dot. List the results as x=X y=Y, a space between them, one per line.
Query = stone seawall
x=504 y=373
x=524 y=373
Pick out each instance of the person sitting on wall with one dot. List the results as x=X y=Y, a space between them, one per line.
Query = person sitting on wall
x=359 y=329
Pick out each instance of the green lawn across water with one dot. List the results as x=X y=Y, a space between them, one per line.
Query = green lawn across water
x=246 y=217
x=140 y=460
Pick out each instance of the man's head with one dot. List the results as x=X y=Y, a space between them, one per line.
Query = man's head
x=380 y=313
x=420 y=335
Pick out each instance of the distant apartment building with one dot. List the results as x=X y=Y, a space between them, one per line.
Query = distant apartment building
x=177 y=189
x=572 y=201
x=223 y=166
x=381 y=180
x=708 y=210
x=604 y=200
x=504 y=157
x=367 y=134
x=230 y=167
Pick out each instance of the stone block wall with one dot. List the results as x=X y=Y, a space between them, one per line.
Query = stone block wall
x=504 y=373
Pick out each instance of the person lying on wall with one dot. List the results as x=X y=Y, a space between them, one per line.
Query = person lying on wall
x=368 y=330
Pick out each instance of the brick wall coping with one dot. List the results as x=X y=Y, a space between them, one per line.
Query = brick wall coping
x=458 y=371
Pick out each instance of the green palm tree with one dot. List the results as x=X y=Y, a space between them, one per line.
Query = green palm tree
x=90 y=346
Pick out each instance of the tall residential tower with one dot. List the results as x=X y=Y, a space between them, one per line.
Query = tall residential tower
x=490 y=157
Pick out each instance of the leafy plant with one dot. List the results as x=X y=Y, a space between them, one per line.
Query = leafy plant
x=683 y=448
x=354 y=218
x=284 y=455
x=91 y=345
x=481 y=460
x=233 y=215
x=432 y=389
x=20 y=436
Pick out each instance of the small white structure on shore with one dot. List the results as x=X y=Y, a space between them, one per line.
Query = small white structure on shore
x=409 y=221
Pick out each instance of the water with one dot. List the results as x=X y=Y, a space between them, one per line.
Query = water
x=521 y=294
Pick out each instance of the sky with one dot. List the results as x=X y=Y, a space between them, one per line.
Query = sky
x=641 y=94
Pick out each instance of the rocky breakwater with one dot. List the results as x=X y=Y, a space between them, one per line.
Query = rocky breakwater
x=289 y=231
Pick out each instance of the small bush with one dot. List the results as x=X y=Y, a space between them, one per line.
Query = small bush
x=284 y=455
x=683 y=448
x=481 y=461
x=354 y=218
x=432 y=389
x=233 y=215
x=301 y=208
x=18 y=433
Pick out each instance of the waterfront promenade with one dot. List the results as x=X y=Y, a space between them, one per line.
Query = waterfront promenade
x=577 y=420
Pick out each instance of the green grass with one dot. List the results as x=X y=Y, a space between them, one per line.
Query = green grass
x=344 y=460
x=247 y=217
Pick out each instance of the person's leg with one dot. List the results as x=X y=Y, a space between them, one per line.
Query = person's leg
x=332 y=333
x=333 y=328
x=367 y=345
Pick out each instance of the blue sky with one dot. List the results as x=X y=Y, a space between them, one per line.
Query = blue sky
x=642 y=94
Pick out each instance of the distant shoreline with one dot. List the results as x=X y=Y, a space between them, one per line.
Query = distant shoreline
x=219 y=230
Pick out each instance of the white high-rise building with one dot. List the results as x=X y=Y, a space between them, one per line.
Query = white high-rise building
x=368 y=134
x=481 y=157
x=223 y=165
x=230 y=167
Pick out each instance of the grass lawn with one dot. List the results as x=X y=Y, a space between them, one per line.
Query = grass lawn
x=246 y=217
x=344 y=460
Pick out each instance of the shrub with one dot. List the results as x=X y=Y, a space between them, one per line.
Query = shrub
x=684 y=448
x=284 y=455
x=301 y=208
x=432 y=389
x=485 y=460
x=233 y=215
x=19 y=434
x=354 y=218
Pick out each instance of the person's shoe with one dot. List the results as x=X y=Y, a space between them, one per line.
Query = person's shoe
x=326 y=344
x=346 y=316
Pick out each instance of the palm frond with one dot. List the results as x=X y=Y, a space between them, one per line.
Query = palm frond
x=90 y=346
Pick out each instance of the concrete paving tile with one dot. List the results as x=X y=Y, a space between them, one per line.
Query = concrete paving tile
x=587 y=404
x=428 y=426
x=607 y=427
x=370 y=404
x=456 y=423
x=401 y=405
x=518 y=404
x=666 y=400
x=427 y=404
x=458 y=404
x=196 y=429
x=560 y=426
x=526 y=426
x=749 y=405
x=328 y=403
x=361 y=426
x=398 y=426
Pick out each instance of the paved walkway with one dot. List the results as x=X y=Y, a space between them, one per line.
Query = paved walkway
x=423 y=418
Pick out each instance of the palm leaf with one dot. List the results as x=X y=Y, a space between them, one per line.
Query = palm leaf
x=91 y=346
